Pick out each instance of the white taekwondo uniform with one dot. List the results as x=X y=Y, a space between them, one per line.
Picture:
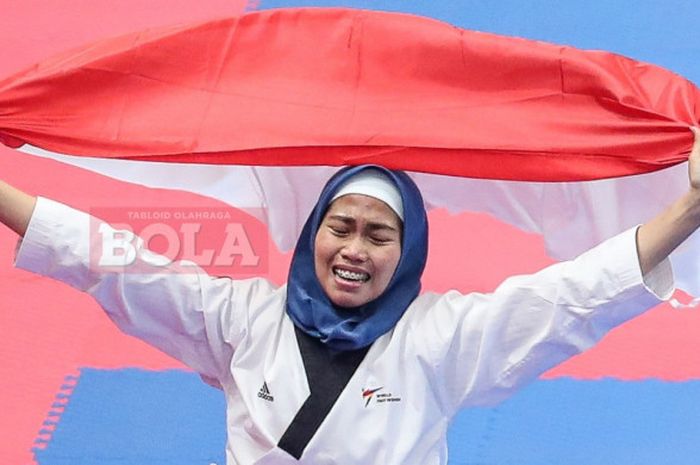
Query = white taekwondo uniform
x=448 y=351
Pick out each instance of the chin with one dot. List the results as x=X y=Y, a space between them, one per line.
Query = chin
x=348 y=305
x=347 y=302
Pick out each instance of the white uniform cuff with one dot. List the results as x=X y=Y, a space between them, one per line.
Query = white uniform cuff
x=659 y=281
x=50 y=223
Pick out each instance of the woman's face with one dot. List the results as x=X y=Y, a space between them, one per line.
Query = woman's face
x=357 y=249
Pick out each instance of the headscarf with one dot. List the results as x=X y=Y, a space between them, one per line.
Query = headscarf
x=353 y=328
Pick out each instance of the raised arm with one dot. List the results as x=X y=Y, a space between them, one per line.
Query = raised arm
x=175 y=307
x=532 y=323
x=15 y=208
x=660 y=236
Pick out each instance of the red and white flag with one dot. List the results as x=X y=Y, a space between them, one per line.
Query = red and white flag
x=264 y=93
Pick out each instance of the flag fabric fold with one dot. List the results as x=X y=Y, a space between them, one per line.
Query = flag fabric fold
x=333 y=86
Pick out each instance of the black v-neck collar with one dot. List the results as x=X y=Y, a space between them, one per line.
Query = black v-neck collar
x=328 y=371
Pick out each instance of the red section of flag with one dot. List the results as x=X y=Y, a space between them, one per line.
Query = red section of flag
x=338 y=86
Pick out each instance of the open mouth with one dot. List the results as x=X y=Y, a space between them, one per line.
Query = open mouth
x=353 y=276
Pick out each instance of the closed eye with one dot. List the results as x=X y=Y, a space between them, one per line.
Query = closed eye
x=381 y=240
x=340 y=232
x=381 y=234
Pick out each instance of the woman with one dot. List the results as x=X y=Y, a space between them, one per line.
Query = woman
x=348 y=363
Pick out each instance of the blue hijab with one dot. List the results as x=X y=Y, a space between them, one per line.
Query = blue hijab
x=353 y=328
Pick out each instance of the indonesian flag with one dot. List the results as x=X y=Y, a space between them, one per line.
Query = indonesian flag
x=309 y=87
x=514 y=143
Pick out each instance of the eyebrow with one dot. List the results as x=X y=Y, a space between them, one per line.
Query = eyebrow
x=374 y=225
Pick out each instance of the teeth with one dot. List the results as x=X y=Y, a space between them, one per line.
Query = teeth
x=351 y=275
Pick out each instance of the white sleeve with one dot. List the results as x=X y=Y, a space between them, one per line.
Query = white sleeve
x=483 y=347
x=180 y=310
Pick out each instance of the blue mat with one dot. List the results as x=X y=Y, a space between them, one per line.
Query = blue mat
x=570 y=422
x=138 y=417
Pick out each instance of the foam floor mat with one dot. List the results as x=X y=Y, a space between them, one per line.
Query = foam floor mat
x=139 y=417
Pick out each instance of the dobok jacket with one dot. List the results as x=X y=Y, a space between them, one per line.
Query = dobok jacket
x=449 y=351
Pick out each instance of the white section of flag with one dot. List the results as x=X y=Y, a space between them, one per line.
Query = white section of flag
x=571 y=216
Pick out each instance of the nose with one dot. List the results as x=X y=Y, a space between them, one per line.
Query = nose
x=355 y=250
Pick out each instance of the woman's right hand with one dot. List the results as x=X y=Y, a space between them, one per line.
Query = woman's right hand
x=16 y=208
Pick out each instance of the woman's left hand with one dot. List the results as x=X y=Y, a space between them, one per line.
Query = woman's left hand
x=657 y=238
x=694 y=162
